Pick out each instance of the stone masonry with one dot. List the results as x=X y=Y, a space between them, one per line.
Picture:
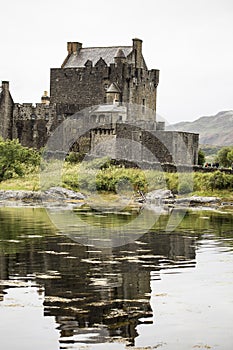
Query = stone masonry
x=109 y=78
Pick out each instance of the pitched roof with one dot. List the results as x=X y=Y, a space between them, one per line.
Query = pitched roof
x=94 y=53
x=120 y=54
x=113 y=88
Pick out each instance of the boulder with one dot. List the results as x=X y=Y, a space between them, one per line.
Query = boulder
x=62 y=193
x=158 y=196
x=198 y=200
x=53 y=195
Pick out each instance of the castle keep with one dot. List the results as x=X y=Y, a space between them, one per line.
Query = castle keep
x=109 y=78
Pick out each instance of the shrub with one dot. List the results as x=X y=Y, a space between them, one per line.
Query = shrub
x=16 y=160
x=185 y=187
x=74 y=157
x=219 y=181
x=201 y=157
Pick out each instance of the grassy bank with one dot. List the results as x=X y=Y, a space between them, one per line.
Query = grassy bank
x=89 y=177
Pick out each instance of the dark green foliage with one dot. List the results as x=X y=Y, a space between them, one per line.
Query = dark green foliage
x=74 y=157
x=16 y=160
x=230 y=157
x=223 y=158
x=201 y=157
x=220 y=181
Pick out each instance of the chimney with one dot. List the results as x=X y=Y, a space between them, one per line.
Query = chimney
x=73 y=47
x=137 y=47
x=5 y=85
x=45 y=98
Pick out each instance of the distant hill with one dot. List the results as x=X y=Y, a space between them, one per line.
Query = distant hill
x=213 y=130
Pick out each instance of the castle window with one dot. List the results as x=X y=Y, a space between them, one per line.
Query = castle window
x=59 y=117
x=143 y=105
x=46 y=116
x=101 y=118
x=33 y=116
x=120 y=118
x=93 y=118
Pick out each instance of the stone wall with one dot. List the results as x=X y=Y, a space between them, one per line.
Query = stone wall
x=156 y=146
x=85 y=87
x=32 y=125
x=6 y=111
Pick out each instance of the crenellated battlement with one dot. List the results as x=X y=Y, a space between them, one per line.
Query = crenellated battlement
x=106 y=77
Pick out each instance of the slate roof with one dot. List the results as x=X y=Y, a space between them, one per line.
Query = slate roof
x=120 y=54
x=94 y=53
x=114 y=88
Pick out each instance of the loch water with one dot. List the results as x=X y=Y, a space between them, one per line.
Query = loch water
x=170 y=290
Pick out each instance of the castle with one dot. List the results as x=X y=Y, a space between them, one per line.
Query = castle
x=109 y=78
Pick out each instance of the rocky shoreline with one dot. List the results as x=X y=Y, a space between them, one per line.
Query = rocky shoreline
x=55 y=196
x=62 y=197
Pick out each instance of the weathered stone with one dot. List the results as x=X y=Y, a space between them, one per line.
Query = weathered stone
x=90 y=77
x=63 y=193
x=198 y=200
x=158 y=194
x=52 y=196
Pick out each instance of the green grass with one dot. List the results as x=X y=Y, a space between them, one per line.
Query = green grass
x=88 y=179
x=27 y=183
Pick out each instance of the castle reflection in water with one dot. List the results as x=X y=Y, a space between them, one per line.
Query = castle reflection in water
x=107 y=291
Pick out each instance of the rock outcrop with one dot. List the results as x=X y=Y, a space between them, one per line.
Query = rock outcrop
x=52 y=196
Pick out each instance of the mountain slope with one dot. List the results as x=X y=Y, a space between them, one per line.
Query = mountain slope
x=213 y=130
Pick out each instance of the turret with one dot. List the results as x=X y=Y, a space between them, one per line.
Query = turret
x=119 y=57
x=113 y=94
x=6 y=111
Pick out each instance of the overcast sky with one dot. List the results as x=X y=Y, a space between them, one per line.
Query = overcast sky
x=189 y=41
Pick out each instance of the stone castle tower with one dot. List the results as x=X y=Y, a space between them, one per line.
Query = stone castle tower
x=96 y=75
x=91 y=76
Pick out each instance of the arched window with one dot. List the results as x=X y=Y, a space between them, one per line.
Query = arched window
x=93 y=118
x=101 y=118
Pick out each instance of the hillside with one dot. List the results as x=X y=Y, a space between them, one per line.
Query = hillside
x=213 y=130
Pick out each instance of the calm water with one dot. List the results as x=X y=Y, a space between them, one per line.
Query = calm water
x=165 y=290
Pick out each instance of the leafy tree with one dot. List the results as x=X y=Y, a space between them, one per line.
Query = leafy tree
x=230 y=156
x=201 y=157
x=222 y=156
x=16 y=160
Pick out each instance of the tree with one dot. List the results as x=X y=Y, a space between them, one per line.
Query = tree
x=15 y=160
x=201 y=157
x=222 y=156
x=230 y=156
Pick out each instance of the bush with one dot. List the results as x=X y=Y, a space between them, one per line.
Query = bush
x=220 y=181
x=172 y=182
x=74 y=157
x=16 y=160
x=185 y=187
x=201 y=157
